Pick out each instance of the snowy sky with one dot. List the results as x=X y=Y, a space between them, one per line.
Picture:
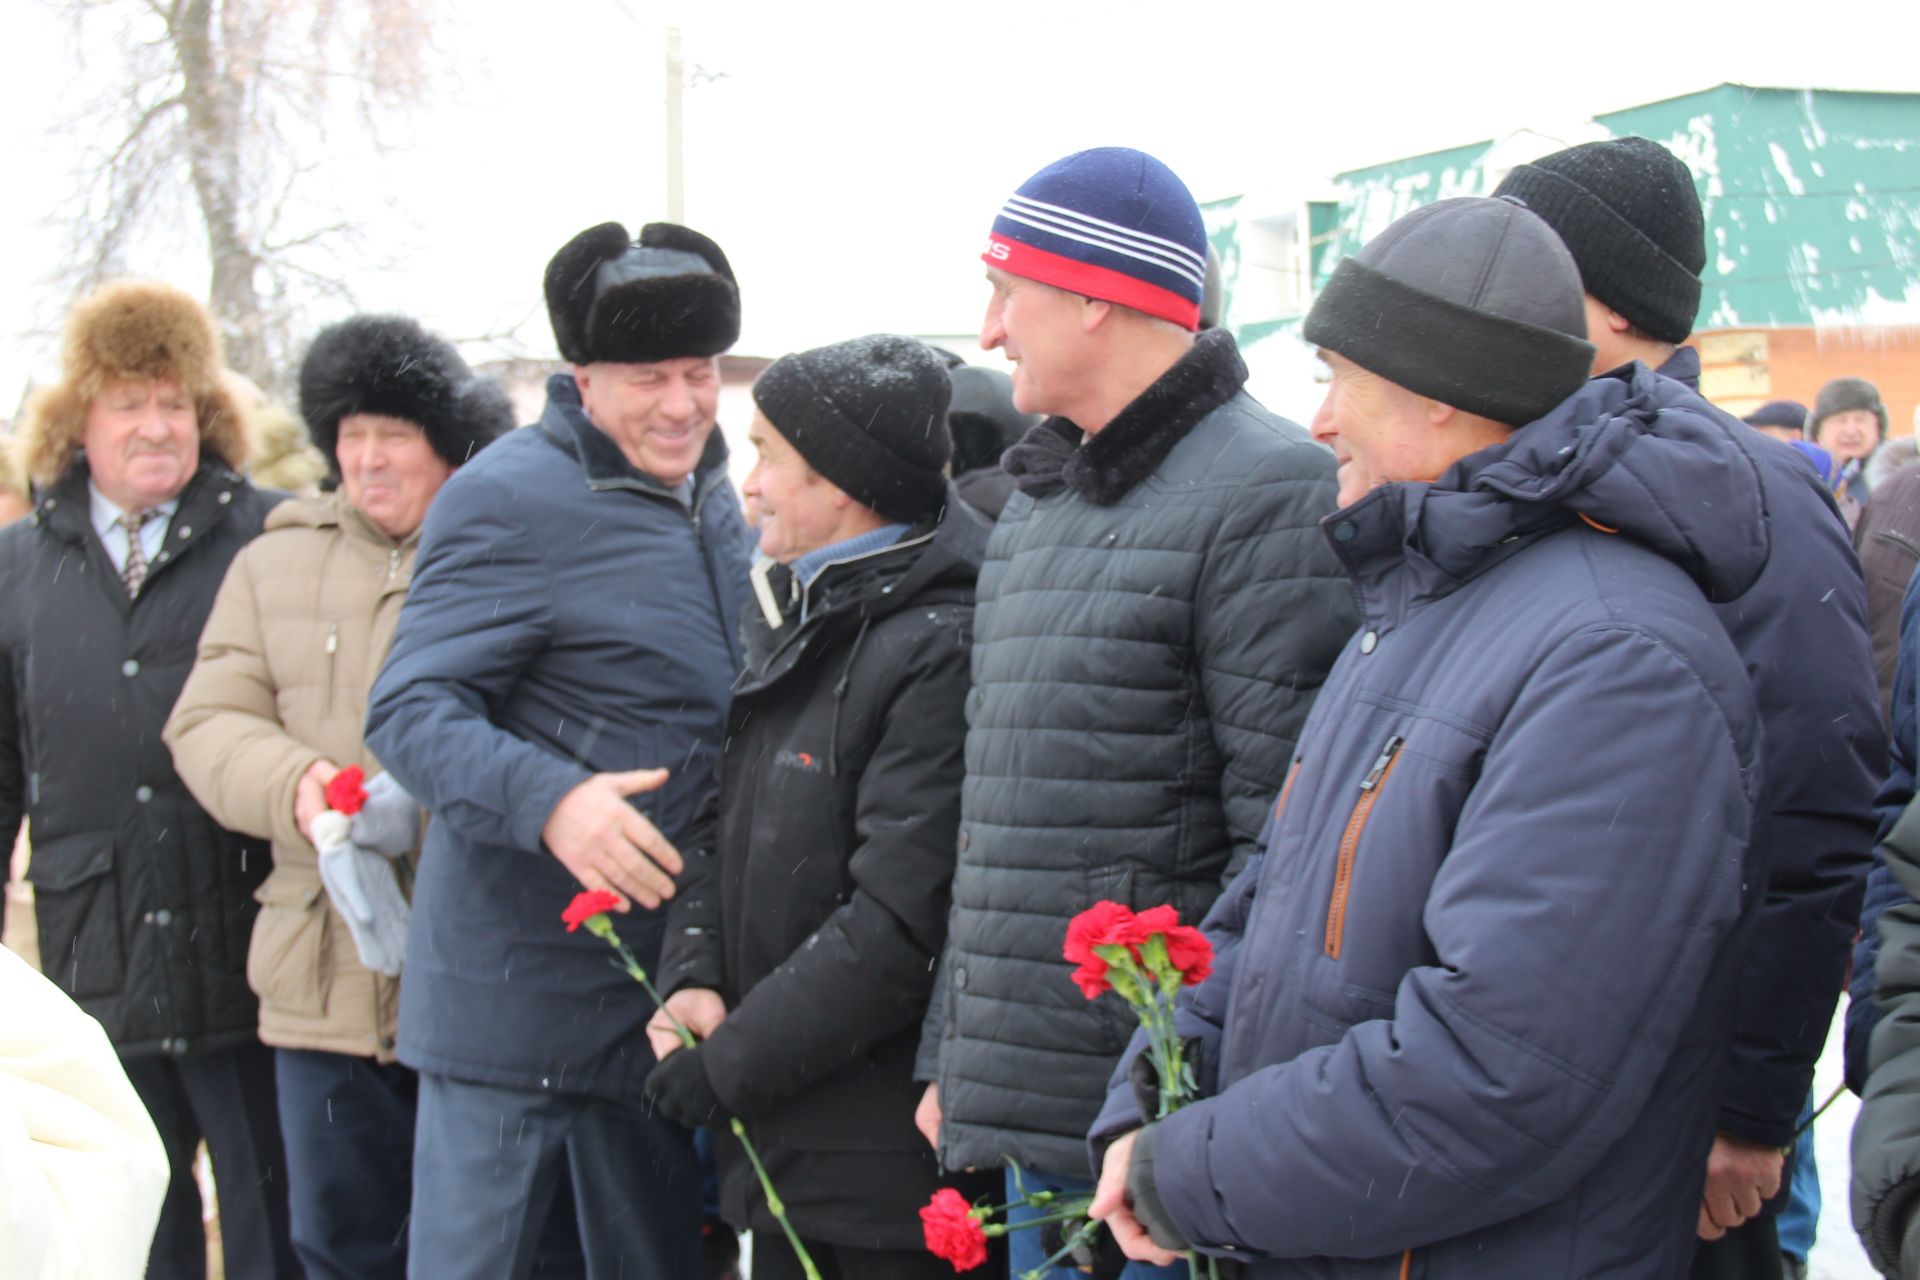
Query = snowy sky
x=853 y=154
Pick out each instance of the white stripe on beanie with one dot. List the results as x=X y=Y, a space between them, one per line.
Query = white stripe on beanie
x=1101 y=234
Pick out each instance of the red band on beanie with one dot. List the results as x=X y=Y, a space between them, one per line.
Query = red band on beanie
x=1094 y=282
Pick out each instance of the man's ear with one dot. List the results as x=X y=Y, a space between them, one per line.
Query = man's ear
x=1439 y=413
x=1093 y=313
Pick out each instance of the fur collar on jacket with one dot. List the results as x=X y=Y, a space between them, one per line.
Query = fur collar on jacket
x=1105 y=468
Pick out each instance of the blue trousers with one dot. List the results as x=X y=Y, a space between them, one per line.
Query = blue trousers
x=348 y=1125
x=1024 y=1251
x=487 y=1161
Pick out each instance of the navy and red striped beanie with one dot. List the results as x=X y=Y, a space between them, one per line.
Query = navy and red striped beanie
x=1111 y=223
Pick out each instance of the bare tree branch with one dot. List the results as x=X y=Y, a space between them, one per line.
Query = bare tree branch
x=232 y=96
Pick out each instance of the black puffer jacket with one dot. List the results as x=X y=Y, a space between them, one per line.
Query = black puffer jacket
x=145 y=905
x=822 y=906
x=1157 y=610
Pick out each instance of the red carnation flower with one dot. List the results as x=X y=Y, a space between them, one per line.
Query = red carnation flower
x=585 y=906
x=348 y=792
x=1189 y=951
x=952 y=1232
x=1156 y=920
x=1091 y=978
x=1104 y=924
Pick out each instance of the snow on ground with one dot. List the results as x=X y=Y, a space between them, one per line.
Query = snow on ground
x=1837 y=1254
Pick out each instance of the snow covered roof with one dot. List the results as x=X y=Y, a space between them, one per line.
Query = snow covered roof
x=1812 y=197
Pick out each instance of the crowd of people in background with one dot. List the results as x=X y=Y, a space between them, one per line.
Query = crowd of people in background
x=1535 y=740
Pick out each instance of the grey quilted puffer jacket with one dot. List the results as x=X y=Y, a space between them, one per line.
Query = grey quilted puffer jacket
x=1157 y=610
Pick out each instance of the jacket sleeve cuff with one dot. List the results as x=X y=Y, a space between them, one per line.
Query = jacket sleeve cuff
x=1759 y=1132
x=1143 y=1193
x=545 y=784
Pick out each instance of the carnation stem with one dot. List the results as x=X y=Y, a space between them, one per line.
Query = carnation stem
x=602 y=928
x=1027 y=1224
x=775 y=1205
x=1073 y=1241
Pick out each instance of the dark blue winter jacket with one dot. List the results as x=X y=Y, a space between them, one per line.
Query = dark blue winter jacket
x=1471 y=1005
x=569 y=616
x=1802 y=632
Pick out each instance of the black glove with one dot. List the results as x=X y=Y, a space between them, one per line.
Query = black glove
x=1099 y=1256
x=1143 y=1196
x=1145 y=1077
x=680 y=1089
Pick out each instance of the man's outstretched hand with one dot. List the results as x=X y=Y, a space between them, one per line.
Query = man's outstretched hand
x=608 y=844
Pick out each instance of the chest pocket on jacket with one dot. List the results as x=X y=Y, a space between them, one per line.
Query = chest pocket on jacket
x=1390 y=846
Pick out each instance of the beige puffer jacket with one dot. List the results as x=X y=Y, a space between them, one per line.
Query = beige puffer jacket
x=286 y=662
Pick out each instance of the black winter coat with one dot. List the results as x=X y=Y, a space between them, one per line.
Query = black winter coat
x=145 y=904
x=822 y=906
x=1157 y=610
x=569 y=616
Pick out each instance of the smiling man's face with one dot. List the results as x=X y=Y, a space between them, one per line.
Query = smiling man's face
x=659 y=414
x=1378 y=431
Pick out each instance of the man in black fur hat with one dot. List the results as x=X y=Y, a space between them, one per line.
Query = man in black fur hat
x=570 y=642
x=1156 y=611
x=272 y=713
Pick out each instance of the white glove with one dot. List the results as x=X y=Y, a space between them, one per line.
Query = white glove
x=389 y=821
x=366 y=894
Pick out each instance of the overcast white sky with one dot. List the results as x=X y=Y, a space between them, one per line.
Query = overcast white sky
x=853 y=155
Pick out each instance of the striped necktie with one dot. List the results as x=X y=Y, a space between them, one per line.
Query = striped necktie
x=135 y=570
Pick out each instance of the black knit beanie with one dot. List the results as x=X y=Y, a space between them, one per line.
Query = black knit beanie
x=1629 y=213
x=1473 y=302
x=1841 y=395
x=1789 y=414
x=869 y=414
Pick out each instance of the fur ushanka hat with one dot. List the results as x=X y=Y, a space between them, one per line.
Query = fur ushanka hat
x=391 y=366
x=666 y=295
x=131 y=329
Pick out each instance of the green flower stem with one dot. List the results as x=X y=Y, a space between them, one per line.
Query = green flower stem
x=1027 y=1224
x=1073 y=1241
x=601 y=927
x=775 y=1205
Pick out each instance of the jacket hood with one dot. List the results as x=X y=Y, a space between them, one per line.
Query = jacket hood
x=933 y=562
x=1630 y=453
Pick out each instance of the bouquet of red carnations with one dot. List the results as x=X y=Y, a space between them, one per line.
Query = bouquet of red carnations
x=1146 y=957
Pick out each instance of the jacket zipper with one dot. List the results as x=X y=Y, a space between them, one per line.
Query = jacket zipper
x=1370 y=787
x=1286 y=789
x=333 y=649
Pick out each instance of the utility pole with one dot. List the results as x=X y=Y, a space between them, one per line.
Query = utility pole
x=676 y=183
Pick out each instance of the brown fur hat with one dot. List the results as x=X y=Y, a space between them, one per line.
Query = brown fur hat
x=131 y=329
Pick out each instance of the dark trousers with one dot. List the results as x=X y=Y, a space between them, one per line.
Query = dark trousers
x=348 y=1124
x=1751 y=1251
x=774 y=1259
x=486 y=1163
x=226 y=1097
